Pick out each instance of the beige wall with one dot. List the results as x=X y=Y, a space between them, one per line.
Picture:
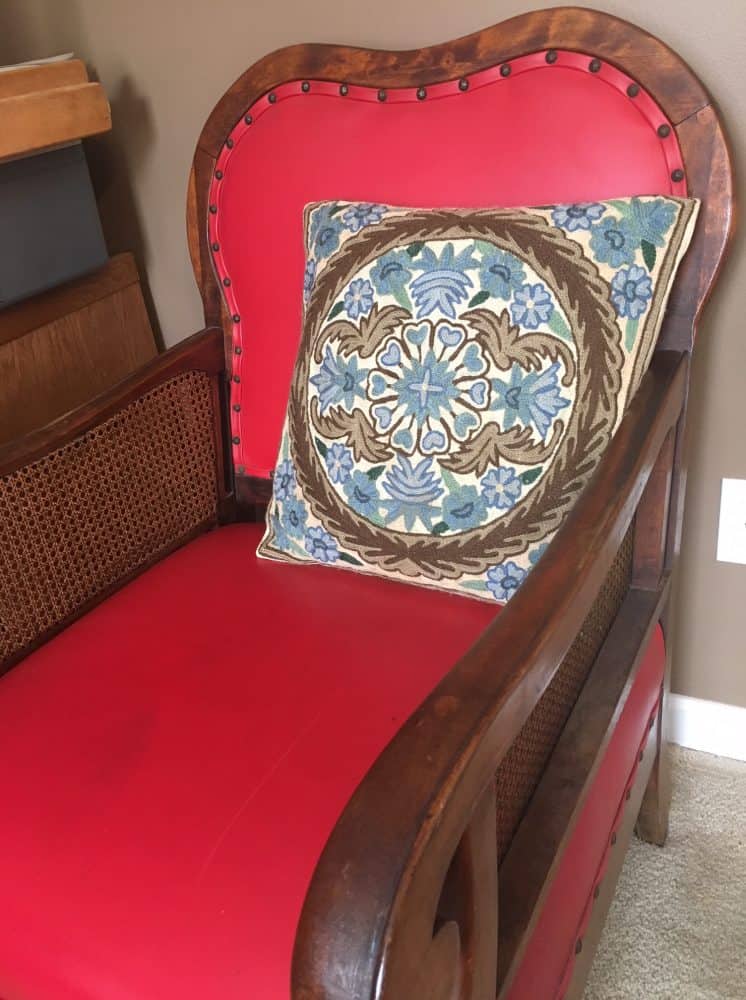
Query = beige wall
x=164 y=64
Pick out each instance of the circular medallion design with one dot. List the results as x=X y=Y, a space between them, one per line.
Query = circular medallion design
x=459 y=373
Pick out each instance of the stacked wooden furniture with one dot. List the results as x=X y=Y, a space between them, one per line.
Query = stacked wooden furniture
x=72 y=321
x=234 y=779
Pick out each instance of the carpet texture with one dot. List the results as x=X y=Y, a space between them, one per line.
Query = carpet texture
x=677 y=927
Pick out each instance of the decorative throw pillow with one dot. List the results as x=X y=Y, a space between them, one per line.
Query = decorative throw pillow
x=460 y=374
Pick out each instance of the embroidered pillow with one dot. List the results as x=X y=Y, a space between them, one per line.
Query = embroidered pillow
x=460 y=374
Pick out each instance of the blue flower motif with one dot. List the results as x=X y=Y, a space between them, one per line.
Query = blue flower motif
x=359 y=298
x=614 y=241
x=284 y=481
x=413 y=492
x=504 y=580
x=530 y=398
x=535 y=555
x=426 y=387
x=443 y=282
x=293 y=517
x=501 y=488
x=501 y=273
x=364 y=214
x=324 y=231
x=577 y=216
x=631 y=290
x=281 y=539
x=339 y=463
x=321 y=546
x=362 y=494
x=339 y=381
x=391 y=273
x=651 y=220
x=531 y=306
x=309 y=276
x=464 y=508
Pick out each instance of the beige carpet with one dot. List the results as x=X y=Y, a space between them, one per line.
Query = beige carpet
x=677 y=927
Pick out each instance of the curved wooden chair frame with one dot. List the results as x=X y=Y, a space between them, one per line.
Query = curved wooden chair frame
x=374 y=923
x=405 y=899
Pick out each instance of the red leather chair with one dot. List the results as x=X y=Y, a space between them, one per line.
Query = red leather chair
x=226 y=778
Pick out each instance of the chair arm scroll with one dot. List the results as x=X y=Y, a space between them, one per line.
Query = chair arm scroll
x=367 y=926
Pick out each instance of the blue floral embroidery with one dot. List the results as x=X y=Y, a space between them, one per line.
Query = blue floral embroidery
x=504 y=580
x=324 y=231
x=309 y=276
x=339 y=462
x=443 y=283
x=284 y=482
x=282 y=539
x=320 y=545
x=464 y=508
x=293 y=517
x=531 y=306
x=631 y=290
x=359 y=298
x=529 y=397
x=428 y=387
x=535 y=554
x=577 y=216
x=614 y=241
x=362 y=494
x=501 y=488
x=651 y=220
x=391 y=273
x=363 y=214
x=339 y=381
x=413 y=492
x=501 y=273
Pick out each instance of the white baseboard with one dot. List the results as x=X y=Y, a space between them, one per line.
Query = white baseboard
x=708 y=726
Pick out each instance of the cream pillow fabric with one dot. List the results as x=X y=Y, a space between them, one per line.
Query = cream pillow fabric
x=459 y=376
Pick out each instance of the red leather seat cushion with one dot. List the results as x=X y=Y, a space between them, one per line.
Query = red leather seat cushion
x=174 y=762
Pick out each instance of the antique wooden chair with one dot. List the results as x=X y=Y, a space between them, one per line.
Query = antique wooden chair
x=223 y=776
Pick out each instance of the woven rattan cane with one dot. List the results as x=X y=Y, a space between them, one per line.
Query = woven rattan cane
x=103 y=506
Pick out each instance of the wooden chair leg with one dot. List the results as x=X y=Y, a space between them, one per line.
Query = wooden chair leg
x=652 y=820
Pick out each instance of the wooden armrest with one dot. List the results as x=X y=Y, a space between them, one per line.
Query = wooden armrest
x=367 y=926
x=203 y=351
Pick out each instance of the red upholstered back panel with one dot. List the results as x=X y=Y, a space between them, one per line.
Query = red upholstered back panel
x=534 y=132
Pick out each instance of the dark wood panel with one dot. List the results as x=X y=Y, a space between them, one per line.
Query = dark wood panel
x=63 y=348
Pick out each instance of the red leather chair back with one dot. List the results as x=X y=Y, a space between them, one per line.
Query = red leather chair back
x=551 y=126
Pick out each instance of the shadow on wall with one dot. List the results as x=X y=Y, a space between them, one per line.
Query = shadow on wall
x=36 y=29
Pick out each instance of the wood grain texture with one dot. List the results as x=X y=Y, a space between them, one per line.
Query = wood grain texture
x=63 y=348
x=201 y=352
x=45 y=76
x=45 y=118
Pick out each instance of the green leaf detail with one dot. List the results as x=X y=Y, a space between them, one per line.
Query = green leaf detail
x=336 y=310
x=557 y=325
x=479 y=298
x=440 y=528
x=449 y=480
x=624 y=208
x=344 y=557
x=400 y=294
x=333 y=211
x=322 y=448
x=630 y=333
x=375 y=472
x=475 y=585
x=648 y=254
x=414 y=248
x=530 y=475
